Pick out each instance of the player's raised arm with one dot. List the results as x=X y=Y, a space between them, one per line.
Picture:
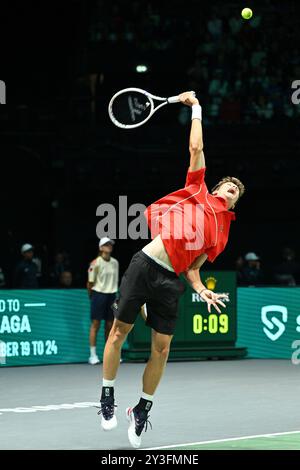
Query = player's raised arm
x=197 y=160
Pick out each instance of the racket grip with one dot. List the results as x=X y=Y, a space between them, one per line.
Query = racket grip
x=175 y=99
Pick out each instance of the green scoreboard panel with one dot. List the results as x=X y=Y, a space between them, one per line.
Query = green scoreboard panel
x=44 y=327
x=197 y=330
x=196 y=324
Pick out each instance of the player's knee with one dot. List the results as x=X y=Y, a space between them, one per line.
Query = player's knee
x=118 y=334
x=161 y=351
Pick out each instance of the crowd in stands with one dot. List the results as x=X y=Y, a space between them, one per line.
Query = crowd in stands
x=241 y=69
x=30 y=272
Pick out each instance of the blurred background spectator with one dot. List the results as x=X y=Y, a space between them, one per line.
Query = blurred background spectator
x=252 y=274
x=61 y=265
x=287 y=272
x=26 y=272
x=239 y=266
x=66 y=280
x=2 y=279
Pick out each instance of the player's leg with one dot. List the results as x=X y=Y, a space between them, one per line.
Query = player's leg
x=165 y=289
x=108 y=314
x=111 y=362
x=112 y=351
x=125 y=310
x=108 y=327
x=138 y=416
x=160 y=348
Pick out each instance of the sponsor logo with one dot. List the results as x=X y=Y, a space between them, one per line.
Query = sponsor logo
x=274 y=327
x=210 y=283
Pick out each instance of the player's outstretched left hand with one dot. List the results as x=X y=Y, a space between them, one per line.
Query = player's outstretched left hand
x=213 y=299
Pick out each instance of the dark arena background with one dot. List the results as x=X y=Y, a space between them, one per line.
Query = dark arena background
x=62 y=157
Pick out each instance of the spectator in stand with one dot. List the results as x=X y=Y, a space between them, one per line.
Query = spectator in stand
x=239 y=266
x=218 y=85
x=235 y=24
x=252 y=273
x=287 y=272
x=66 y=280
x=215 y=26
x=263 y=108
x=61 y=264
x=26 y=272
x=2 y=279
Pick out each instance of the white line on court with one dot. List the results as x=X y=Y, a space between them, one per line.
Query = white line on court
x=35 y=305
x=63 y=406
x=223 y=440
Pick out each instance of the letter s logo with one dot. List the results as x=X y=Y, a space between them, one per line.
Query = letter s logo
x=273 y=321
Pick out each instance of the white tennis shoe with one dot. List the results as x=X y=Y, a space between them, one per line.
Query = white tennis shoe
x=107 y=410
x=137 y=422
x=93 y=360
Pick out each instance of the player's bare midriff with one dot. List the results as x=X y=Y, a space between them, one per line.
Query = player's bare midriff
x=156 y=248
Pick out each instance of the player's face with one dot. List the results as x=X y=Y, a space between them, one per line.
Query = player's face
x=230 y=192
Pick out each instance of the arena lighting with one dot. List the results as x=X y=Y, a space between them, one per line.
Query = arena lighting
x=141 y=68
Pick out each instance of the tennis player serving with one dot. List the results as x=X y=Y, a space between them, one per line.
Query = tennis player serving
x=187 y=227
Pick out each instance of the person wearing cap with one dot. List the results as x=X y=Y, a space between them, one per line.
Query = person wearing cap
x=252 y=273
x=103 y=278
x=26 y=272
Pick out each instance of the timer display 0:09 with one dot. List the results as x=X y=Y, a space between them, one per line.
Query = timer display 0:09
x=212 y=324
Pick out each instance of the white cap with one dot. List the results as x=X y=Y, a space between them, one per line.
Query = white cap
x=251 y=257
x=26 y=247
x=105 y=240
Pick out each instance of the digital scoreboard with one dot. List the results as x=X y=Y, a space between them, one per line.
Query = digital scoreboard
x=197 y=329
x=196 y=325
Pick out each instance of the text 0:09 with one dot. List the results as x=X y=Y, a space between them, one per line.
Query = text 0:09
x=212 y=324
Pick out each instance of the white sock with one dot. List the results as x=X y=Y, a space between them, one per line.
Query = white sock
x=93 y=351
x=108 y=383
x=147 y=397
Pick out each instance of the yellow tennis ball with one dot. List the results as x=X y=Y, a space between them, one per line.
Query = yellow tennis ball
x=247 y=13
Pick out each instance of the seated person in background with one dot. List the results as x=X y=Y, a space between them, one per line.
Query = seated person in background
x=61 y=264
x=66 y=280
x=287 y=272
x=2 y=279
x=26 y=272
x=252 y=274
x=239 y=265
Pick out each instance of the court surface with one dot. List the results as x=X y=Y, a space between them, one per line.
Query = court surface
x=199 y=405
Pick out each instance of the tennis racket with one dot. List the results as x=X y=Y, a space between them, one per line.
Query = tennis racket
x=133 y=107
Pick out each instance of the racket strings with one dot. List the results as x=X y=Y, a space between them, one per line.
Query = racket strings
x=131 y=108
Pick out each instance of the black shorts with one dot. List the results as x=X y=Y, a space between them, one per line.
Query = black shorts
x=101 y=306
x=145 y=281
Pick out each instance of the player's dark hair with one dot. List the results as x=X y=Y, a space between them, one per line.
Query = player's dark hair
x=230 y=179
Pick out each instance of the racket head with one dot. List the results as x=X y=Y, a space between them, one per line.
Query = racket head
x=130 y=108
